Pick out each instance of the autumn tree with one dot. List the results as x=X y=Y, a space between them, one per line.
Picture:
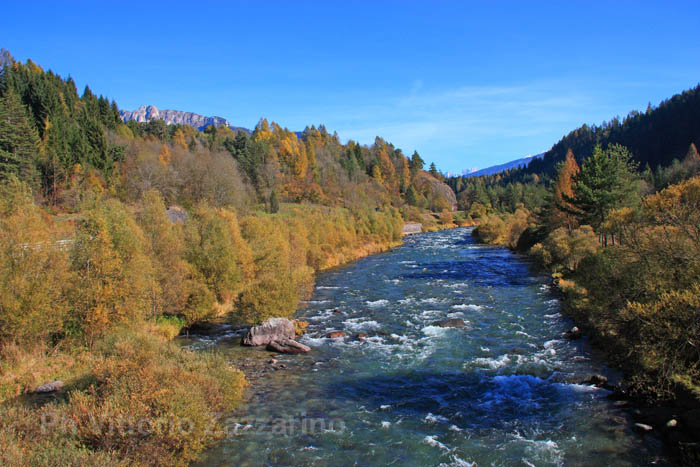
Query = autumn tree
x=114 y=275
x=179 y=288
x=211 y=249
x=179 y=138
x=560 y=209
x=33 y=270
x=274 y=291
x=164 y=157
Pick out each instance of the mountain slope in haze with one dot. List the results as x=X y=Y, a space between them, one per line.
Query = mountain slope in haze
x=522 y=162
x=177 y=117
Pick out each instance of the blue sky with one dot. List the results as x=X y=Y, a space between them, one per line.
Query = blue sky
x=466 y=83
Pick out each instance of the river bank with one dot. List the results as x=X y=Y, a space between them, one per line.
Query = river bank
x=674 y=420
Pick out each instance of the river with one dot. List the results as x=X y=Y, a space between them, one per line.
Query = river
x=502 y=390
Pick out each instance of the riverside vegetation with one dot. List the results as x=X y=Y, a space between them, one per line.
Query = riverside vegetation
x=623 y=245
x=96 y=279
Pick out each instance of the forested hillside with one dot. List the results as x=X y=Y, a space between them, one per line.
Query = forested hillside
x=658 y=141
x=654 y=137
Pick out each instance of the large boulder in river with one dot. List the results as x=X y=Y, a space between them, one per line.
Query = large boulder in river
x=288 y=346
x=450 y=323
x=274 y=329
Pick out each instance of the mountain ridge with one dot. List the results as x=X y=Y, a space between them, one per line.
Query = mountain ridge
x=146 y=113
x=494 y=169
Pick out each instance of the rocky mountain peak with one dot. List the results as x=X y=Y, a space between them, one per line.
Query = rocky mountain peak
x=146 y=113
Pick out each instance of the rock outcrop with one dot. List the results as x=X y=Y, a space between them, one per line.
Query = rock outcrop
x=274 y=329
x=176 y=117
x=176 y=214
x=53 y=386
x=410 y=228
x=426 y=182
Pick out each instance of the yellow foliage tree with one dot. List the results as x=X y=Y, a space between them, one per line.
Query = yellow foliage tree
x=114 y=276
x=179 y=139
x=164 y=157
x=33 y=270
x=560 y=212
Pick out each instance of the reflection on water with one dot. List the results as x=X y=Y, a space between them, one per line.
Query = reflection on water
x=502 y=390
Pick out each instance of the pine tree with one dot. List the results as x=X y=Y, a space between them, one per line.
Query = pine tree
x=416 y=163
x=607 y=181
x=274 y=202
x=433 y=170
x=411 y=196
x=19 y=143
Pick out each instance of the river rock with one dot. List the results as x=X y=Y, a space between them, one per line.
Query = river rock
x=599 y=381
x=573 y=333
x=53 y=386
x=274 y=329
x=656 y=416
x=289 y=346
x=643 y=428
x=335 y=334
x=450 y=323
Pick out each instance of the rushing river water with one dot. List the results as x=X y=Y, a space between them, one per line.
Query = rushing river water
x=500 y=391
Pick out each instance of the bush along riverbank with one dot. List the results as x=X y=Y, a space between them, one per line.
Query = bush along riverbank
x=628 y=266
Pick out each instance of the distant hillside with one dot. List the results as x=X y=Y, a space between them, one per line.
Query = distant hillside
x=522 y=162
x=655 y=137
x=177 y=117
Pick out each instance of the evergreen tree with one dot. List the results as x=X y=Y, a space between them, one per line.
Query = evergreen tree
x=607 y=181
x=274 y=202
x=19 y=143
x=433 y=170
x=416 y=163
x=412 y=196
